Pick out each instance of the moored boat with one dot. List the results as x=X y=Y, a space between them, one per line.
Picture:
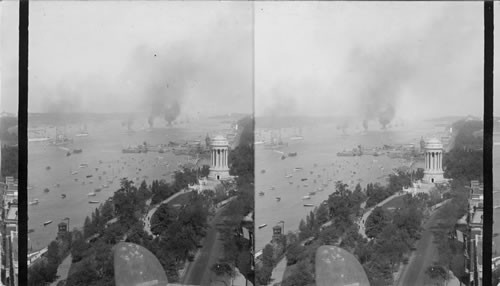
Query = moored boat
x=262 y=225
x=47 y=223
x=93 y=202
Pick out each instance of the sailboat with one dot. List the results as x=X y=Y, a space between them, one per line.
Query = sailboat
x=83 y=132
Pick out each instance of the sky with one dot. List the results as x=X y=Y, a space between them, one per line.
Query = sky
x=9 y=55
x=362 y=59
x=354 y=59
x=141 y=57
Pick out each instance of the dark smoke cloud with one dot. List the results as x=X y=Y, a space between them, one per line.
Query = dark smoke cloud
x=201 y=65
x=163 y=77
x=380 y=78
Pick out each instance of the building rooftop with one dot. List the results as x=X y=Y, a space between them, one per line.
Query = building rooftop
x=478 y=216
x=12 y=213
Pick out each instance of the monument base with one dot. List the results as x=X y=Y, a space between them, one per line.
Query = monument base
x=219 y=174
x=433 y=177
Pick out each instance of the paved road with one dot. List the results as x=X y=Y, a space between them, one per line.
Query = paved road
x=423 y=257
x=198 y=272
x=63 y=270
x=278 y=271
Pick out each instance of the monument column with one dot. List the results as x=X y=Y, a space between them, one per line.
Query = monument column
x=432 y=160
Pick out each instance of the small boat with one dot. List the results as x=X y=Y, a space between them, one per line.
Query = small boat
x=278 y=199
x=283 y=157
x=47 y=223
x=34 y=202
x=77 y=151
x=74 y=172
x=262 y=225
x=292 y=154
x=261 y=193
x=89 y=176
x=303 y=179
x=68 y=154
x=288 y=176
x=97 y=190
x=83 y=165
x=308 y=205
x=63 y=196
x=297 y=169
x=306 y=197
x=91 y=194
x=46 y=190
x=31 y=230
x=312 y=193
x=93 y=202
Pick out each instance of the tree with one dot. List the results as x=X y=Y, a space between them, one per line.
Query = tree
x=205 y=171
x=53 y=253
x=263 y=274
x=267 y=255
x=293 y=253
x=303 y=275
x=162 y=218
x=437 y=272
x=78 y=249
x=88 y=228
x=376 y=222
x=107 y=211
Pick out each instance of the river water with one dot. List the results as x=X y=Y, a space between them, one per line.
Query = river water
x=317 y=156
x=106 y=164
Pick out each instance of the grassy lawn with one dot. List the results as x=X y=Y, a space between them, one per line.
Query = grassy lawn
x=181 y=199
x=397 y=202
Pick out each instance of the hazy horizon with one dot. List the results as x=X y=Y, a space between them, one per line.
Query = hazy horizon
x=369 y=61
x=164 y=58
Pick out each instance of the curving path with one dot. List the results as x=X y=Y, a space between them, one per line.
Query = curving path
x=147 y=218
x=362 y=221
